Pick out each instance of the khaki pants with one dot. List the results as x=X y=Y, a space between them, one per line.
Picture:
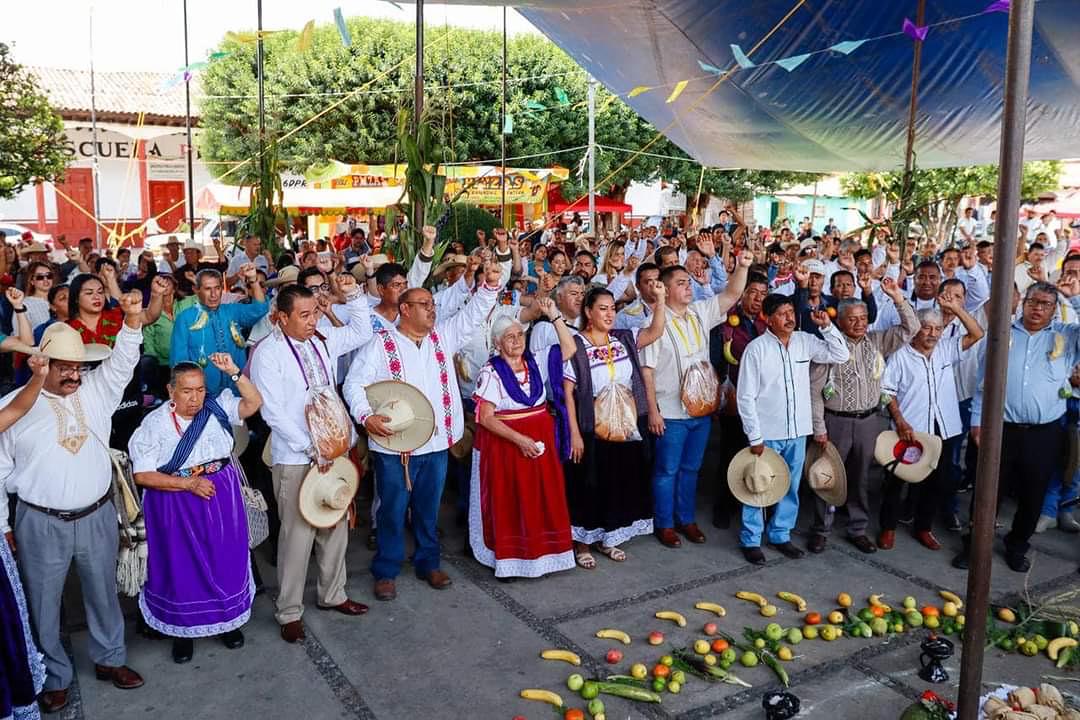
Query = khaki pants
x=294 y=549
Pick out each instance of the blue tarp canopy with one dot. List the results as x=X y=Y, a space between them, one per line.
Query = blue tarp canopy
x=835 y=111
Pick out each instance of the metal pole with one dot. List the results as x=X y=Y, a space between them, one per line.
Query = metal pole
x=502 y=162
x=913 y=107
x=418 y=107
x=93 y=132
x=813 y=208
x=259 y=73
x=592 y=155
x=190 y=149
x=1010 y=163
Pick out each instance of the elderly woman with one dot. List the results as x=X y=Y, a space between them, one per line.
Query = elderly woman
x=518 y=521
x=609 y=477
x=199 y=581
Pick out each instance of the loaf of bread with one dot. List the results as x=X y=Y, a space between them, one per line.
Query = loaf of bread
x=700 y=390
x=329 y=424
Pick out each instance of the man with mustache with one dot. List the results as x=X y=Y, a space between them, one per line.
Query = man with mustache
x=56 y=460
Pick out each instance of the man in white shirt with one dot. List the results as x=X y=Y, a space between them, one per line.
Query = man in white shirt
x=251 y=254
x=1032 y=270
x=681 y=438
x=774 y=404
x=967 y=226
x=56 y=460
x=290 y=358
x=420 y=353
x=569 y=294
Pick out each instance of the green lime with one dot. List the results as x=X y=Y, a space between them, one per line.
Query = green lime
x=729 y=656
x=575 y=682
x=749 y=659
x=596 y=706
x=590 y=690
x=658 y=685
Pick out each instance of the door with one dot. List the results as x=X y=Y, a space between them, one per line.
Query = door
x=167 y=196
x=77 y=191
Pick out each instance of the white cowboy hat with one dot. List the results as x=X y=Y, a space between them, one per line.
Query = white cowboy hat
x=192 y=245
x=910 y=462
x=412 y=419
x=451 y=261
x=60 y=341
x=758 y=480
x=286 y=276
x=325 y=497
x=825 y=473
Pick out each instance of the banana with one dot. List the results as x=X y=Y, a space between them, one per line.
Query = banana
x=728 y=356
x=711 y=607
x=1059 y=346
x=613 y=634
x=200 y=321
x=875 y=600
x=675 y=617
x=564 y=655
x=237 y=338
x=951 y=597
x=1057 y=645
x=752 y=597
x=543 y=696
x=800 y=604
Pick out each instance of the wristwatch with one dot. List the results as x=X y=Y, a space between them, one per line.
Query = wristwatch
x=235 y=377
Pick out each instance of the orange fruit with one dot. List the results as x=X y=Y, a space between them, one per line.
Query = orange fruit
x=733 y=320
x=661 y=671
x=930 y=611
x=574 y=714
x=813 y=618
x=719 y=645
x=877 y=611
x=831 y=311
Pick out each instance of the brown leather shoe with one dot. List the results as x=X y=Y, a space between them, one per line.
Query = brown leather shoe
x=292 y=632
x=122 y=677
x=349 y=607
x=385 y=589
x=667 y=537
x=817 y=543
x=927 y=539
x=53 y=701
x=437 y=579
x=863 y=543
x=887 y=539
x=692 y=533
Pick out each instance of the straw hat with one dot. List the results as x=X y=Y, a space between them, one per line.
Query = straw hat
x=192 y=245
x=286 y=276
x=325 y=497
x=412 y=419
x=825 y=473
x=34 y=247
x=911 y=463
x=451 y=261
x=63 y=342
x=758 y=480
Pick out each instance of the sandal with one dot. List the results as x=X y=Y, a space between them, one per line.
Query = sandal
x=612 y=553
x=585 y=559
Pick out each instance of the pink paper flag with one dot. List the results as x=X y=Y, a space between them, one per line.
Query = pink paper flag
x=997 y=6
x=915 y=32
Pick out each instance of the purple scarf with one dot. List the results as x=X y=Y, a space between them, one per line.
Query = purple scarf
x=536 y=390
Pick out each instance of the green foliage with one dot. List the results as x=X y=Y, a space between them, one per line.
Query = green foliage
x=465 y=220
x=462 y=69
x=265 y=213
x=31 y=133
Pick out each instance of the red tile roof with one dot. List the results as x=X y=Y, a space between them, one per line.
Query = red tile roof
x=117 y=93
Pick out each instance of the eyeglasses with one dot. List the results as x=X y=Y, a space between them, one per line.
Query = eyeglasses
x=45 y=276
x=72 y=370
x=325 y=287
x=426 y=304
x=1040 y=304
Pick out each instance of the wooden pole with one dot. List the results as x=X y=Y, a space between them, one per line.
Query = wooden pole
x=1011 y=165
x=913 y=105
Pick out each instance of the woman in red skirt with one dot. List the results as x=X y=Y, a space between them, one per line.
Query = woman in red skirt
x=519 y=524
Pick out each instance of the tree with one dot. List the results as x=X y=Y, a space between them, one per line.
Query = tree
x=31 y=133
x=936 y=193
x=546 y=99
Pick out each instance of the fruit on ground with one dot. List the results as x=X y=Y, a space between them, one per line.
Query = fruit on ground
x=661 y=671
x=785 y=653
x=813 y=618
x=769 y=610
x=836 y=617
x=729 y=656
x=710 y=659
x=914 y=618
x=674 y=687
x=590 y=690
x=960 y=620
x=773 y=631
x=794 y=636
x=759 y=643
x=749 y=659
x=596 y=706
x=1006 y=615
x=574 y=714
x=1030 y=648
x=719 y=645
x=638 y=671
x=613 y=656
x=910 y=603
x=843 y=600
x=932 y=622
x=866 y=615
x=949 y=609
x=575 y=682
x=667 y=660
x=930 y=611
x=710 y=629
x=659 y=684
x=879 y=626
x=656 y=638
x=828 y=632
x=701 y=646
x=877 y=611
x=678 y=676
x=810 y=632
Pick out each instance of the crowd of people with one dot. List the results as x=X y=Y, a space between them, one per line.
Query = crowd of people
x=567 y=383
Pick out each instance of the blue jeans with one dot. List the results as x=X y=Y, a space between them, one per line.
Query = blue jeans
x=1062 y=489
x=428 y=475
x=679 y=452
x=787 y=510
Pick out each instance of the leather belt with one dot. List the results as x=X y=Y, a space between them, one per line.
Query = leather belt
x=856 y=415
x=69 y=515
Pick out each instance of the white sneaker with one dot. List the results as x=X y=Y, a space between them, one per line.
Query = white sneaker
x=1067 y=523
x=1045 y=523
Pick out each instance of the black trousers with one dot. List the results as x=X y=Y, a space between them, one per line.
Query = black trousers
x=732 y=440
x=927 y=496
x=1029 y=456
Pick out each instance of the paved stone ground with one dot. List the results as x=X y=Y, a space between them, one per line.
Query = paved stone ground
x=466 y=652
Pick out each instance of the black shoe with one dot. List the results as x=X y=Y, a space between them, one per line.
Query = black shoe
x=721 y=519
x=183 y=649
x=863 y=543
x=754 y=555
x=906 y=519
x=817 y=543
x=788 y=549
x=1017 y=563
x=960 y=561
x=371 y=540
x=965 y=488
x=954 y=524
x=233 y=639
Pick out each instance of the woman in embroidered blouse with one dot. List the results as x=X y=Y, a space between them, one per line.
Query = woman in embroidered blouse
x=199 y=580
x=518 y=520
x=608 y=484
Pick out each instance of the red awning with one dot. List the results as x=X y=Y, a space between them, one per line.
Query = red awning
x=556 y=203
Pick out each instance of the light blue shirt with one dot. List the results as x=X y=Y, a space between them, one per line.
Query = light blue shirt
x=1038 y=370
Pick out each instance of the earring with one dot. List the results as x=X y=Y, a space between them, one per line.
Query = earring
x=172 y=405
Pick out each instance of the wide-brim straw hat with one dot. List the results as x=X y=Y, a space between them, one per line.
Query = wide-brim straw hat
x=286 y=276
x=62 y=342
x=912 y=462
x=412 y=419
x=758 y=480
x=325 y=497
x=34 y=247
x=825 y=473
x=451 y=261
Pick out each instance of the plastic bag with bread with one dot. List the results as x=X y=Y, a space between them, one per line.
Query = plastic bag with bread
x=615 y=414
x=700 y=389
x=329 y=423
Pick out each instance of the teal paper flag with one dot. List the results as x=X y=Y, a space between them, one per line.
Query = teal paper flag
x=848 y=46
x=342 y=28
x=790 y=63
x=508 y=124
x=561 y=96
x=740 y=57
x=709 y=68
x=534 y=105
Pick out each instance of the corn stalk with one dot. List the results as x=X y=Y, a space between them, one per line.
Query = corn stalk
x=265 y=211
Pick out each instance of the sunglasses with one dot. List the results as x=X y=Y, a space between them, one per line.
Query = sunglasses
x=45 y=276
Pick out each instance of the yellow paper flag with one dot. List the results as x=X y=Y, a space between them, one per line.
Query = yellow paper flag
x=638 y=90
x=241 y=37
x=607 y=103
x=679 y=87
x=303 y=44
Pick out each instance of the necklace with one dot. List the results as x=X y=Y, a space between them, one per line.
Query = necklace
x=70 y=441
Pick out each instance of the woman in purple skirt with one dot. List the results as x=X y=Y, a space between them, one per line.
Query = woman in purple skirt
x=199 y=580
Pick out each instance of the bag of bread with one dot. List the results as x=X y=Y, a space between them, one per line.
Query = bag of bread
x=329 y=424
x=700 y=389
x=615 y=414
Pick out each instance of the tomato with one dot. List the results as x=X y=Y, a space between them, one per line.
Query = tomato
x=930 y=611
x=661 y=671
x=574 y=714
x=719 y=645
x=813 y=618
x=877 y=611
